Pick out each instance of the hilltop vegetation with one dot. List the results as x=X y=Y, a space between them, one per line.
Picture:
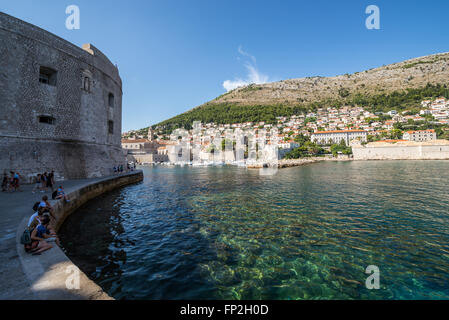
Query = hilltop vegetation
x=399 y=86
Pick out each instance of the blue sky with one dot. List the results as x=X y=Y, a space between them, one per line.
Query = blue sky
x=174 y=55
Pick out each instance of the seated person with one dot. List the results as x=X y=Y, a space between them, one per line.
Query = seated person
x=61 y=194
x=36 y=219
x=46 y=205
x=44 y=235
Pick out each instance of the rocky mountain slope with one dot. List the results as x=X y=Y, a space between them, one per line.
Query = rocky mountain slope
x=414 y=73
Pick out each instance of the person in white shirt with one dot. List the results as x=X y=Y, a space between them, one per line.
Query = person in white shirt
x=36 y=218
x=32 y=218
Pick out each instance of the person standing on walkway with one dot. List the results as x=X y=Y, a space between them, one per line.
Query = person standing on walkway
x=11 y=182
x=16 y=181
x=37 y=183
x=44 y=182
x=5 y=182
x=50 y=180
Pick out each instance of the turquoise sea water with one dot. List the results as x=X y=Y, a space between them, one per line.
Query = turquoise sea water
x=304 y=233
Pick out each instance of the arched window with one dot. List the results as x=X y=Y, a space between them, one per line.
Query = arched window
x=86 y=80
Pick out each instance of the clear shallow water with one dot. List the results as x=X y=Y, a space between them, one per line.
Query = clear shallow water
x=304 y=233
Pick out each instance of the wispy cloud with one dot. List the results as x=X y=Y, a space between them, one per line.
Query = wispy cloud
x=253 y=73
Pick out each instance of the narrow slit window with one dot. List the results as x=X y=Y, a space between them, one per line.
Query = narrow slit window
x=86 y=84
x=111 y=127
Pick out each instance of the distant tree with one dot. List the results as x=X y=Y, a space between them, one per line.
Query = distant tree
x=302 y=139
x=395 y=134
x=308 y=149
x=340 y=147
x=343 y=92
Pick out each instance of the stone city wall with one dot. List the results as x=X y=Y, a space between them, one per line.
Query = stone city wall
x=418 y=151
x=147 y=158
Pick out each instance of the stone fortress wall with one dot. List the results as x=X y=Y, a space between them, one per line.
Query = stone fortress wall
x=403 y=150
x=61 y=105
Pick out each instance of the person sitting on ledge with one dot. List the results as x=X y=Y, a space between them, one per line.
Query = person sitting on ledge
x=44 y=235
x=46 y=205
x=61 y=194
x=36 y=219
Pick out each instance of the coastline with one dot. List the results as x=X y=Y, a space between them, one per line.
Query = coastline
x=305 y=161
x=300 y=162
x=284 y=163
x=44 y=277
x=287 y=163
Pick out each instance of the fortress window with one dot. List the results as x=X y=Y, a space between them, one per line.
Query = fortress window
x=46 y=120
x=111 y=100
x=86 y=84
x=47 y=76
x=111 y=127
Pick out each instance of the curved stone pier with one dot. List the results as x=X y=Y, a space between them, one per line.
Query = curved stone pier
x=50 y=276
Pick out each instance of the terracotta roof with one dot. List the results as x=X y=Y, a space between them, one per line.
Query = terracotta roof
x=392 y=141
x=134 y=141
x=419 y=131
x=166 y=142
x=338 y=131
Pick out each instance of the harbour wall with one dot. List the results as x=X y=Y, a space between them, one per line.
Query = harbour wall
x=402 y=152
x=49 y=274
